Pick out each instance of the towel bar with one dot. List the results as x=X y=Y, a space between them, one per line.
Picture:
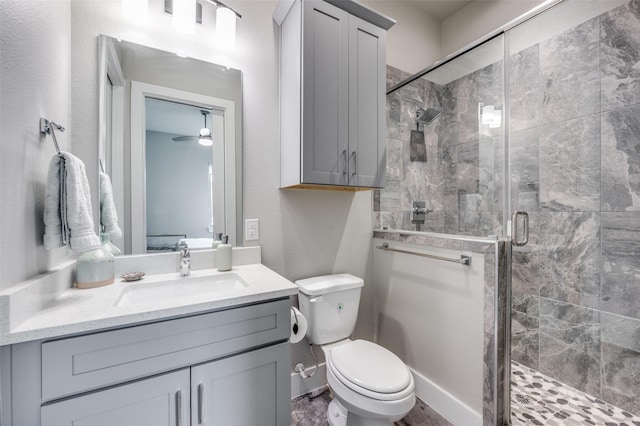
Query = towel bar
x=464 y=260
x=47 y=128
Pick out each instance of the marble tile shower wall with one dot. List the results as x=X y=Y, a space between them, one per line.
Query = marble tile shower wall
x=575 y=167
x=459 y=181
x=575 y=161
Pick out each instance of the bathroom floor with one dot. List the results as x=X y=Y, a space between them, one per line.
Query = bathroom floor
x=312 y=411
x=539 y=400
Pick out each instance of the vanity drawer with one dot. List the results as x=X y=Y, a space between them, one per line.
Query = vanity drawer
x=84 y=363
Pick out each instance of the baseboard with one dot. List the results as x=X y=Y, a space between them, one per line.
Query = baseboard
x=444 y=403
x=300 y=386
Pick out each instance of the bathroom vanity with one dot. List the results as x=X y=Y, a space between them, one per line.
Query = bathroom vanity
x=197 y=359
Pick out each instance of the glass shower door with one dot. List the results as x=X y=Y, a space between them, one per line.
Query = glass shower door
x=572 y=166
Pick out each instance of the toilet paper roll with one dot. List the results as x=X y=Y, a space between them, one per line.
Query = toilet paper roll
x=298 y=326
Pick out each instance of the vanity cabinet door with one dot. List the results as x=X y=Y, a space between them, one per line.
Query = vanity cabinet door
x=251 y=389
x=158 y=401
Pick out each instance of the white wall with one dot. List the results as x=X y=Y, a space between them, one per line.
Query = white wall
x=414 y=42
x=430 y=314
x=479 y=18
x=34 y=66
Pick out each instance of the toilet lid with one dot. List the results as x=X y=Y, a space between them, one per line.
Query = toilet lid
x=371 y=367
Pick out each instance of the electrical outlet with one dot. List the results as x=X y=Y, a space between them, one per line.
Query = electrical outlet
x=251 y=229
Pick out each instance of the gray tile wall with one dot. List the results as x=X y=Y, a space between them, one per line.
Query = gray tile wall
x=460 y=181
x=575 y=123
x=575 y=167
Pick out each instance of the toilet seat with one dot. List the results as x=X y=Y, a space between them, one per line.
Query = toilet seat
x=370 y=370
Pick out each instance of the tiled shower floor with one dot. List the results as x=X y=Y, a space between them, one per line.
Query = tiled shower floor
x=539 y=400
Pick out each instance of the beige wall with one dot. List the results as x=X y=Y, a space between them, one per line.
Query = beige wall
x=479 y=18
x=414 y=42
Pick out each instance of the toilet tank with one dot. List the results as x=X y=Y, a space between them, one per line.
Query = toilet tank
x=330 y=304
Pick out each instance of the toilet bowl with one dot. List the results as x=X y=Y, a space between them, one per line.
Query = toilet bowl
x=370 y=384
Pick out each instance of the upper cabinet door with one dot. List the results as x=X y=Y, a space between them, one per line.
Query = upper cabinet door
x=367 y=103
x=325 y=93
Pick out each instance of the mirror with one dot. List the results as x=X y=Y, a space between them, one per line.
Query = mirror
x=167 y=187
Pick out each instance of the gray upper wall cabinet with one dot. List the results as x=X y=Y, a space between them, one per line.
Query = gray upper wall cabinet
x=332 y=100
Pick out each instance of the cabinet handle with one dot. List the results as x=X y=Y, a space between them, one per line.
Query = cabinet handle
x=179 y=408
x=201 y=418
x=344 y=171
x=355 y=163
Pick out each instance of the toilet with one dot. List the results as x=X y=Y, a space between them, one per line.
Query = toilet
x=371 y=385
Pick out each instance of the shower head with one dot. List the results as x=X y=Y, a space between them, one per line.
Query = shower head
x=426 y=116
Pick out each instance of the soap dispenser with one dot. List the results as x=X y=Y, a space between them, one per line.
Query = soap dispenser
x=217 y=240
x=94 y=268
x=223 y=255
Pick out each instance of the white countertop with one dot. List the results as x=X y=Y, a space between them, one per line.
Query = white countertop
x=78 y=311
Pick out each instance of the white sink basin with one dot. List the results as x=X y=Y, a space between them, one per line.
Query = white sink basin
x=188 y=287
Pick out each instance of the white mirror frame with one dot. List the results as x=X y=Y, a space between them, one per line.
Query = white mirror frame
x=110 y=70
x=140 y=91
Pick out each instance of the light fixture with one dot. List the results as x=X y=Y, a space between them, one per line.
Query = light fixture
x=186 y=13
x=225 y=28
x=184 y=16
x=490 y=116
x=205 y=138
x=135 y=10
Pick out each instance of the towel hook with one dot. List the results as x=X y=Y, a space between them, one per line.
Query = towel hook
x=47 y=128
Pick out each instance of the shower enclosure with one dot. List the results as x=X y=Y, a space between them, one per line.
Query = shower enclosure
x=544 y=118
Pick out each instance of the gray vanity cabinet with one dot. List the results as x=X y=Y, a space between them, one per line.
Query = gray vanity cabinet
x=223 y=367
x=158 y=401
x=332 y=95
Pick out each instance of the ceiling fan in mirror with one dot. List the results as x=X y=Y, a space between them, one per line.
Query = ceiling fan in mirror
x=204 y=136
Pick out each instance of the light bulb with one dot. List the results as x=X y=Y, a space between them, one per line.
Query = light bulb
x=184 y=16
x=205 y=138
x=225 y=28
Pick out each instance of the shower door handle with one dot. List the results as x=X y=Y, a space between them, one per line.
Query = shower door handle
x=514 y=228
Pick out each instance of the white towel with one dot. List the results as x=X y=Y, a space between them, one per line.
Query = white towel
x=68 y=218
x=108 y=214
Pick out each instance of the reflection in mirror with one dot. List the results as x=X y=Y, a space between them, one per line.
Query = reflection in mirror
x=166 y=185
x=182 y=170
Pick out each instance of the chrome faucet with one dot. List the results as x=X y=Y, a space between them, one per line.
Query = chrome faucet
x=185 y=259
x=419 y=212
